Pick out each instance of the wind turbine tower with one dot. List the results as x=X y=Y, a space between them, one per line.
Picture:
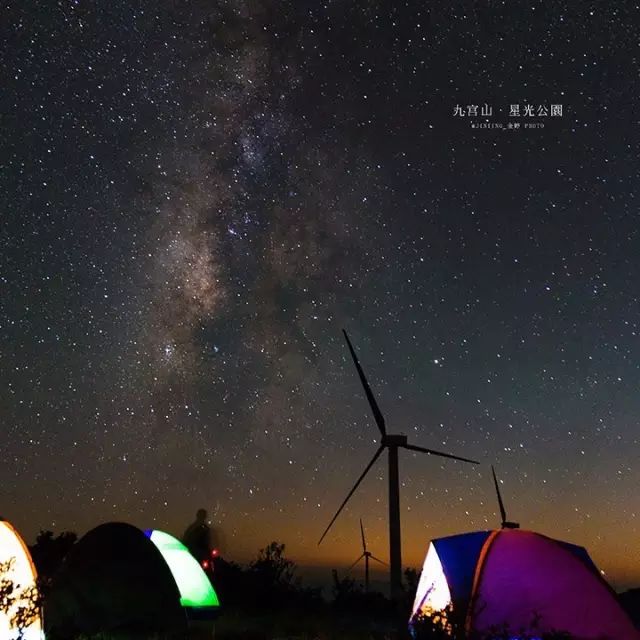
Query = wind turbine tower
x=391 y=443
x=366 y=554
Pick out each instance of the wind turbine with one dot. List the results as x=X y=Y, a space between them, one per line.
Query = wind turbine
x=366 y=555
x=505 y=523
x=392 y=443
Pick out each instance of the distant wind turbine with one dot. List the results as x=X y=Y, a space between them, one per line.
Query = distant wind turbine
x=392 y=443
x=503 y=514
x=366 y=555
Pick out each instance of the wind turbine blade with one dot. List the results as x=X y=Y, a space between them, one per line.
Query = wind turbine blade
x=377 y=414
x=355 y=486
x=503 y=513
x=355 y=563
x=364 y=544
x=378 y=560
x=438 y=453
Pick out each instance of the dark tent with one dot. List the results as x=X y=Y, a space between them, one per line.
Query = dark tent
x=114 y=579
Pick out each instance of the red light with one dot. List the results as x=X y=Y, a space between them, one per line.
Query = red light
x=205 y=564
x=214 y=553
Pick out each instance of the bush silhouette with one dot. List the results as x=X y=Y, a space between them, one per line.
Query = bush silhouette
x=48 y=552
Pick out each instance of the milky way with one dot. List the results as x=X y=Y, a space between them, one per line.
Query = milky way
x=198 y=198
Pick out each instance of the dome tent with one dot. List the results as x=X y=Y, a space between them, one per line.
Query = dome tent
x=522 y=581
x=22 y=574
x=114 y=579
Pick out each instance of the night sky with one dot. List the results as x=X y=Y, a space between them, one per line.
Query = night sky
x=198 y=196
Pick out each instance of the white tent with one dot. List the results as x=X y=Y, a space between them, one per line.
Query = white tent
x=22 y=574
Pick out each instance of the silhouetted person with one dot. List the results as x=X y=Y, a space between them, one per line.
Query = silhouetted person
x=197 y=538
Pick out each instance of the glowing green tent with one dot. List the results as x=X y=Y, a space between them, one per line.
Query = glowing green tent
x=194 y=586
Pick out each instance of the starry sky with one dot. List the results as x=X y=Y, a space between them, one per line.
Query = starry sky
x=198 y=196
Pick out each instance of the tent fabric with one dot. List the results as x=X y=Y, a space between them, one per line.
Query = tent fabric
x=22 y=574
x=114 y=578
x=534 y=583
x=195 y=587
x=581 y=553
x=433 y=593
x=459 y=555
x=525 y=582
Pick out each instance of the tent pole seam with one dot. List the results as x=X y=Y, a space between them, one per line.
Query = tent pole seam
x=476 y=578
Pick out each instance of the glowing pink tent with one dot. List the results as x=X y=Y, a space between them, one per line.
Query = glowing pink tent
x=521 y=581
